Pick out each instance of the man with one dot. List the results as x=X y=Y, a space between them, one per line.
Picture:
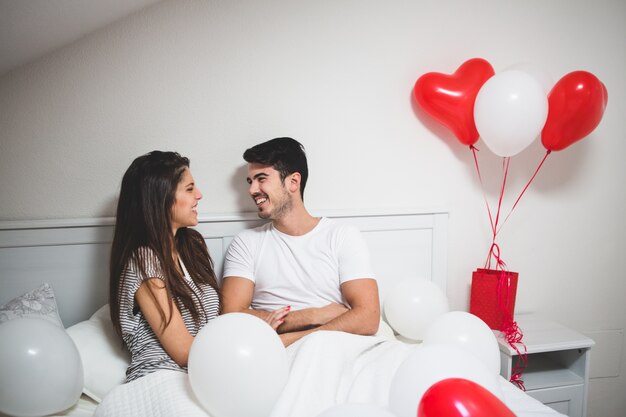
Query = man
x=298 y=272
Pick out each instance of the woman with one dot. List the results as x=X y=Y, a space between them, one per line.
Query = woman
x=163 y=288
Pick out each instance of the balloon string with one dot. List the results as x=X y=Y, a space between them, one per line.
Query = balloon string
x=512 y=333
x=494 y=251
x=525 y=188
x=505 y=168
x=514 y=336
x=501 y=266
x=482 y=186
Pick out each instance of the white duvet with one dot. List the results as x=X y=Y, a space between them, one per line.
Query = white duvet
x=326 y=368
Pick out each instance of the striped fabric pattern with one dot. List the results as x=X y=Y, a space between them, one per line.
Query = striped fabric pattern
x=147 y=354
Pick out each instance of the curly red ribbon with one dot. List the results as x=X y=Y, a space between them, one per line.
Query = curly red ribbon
x=512 y=333
x=514 y=337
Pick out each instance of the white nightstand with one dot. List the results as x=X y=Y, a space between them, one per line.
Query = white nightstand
x=558 y=364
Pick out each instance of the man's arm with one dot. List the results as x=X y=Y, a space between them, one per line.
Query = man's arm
x=237 y=293
x=363 y=317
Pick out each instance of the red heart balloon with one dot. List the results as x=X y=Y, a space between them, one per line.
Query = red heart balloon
x=576 y=105
x=450 y=98
x=457 y=397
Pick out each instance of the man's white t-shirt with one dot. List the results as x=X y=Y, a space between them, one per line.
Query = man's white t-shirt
x=300 y=271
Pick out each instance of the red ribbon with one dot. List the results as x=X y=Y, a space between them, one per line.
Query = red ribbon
x=512 y=333
x=526 y=187
x=482 y=187
x=514 y=336
x=505 y=166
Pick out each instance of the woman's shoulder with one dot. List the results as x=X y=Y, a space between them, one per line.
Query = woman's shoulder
x=146 y=263
x=146 y=254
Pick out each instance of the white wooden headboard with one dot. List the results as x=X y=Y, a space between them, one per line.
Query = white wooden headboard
x=73 y=255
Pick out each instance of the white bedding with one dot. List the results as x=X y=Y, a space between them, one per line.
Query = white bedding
x=326 y=368
x=73 y=253
x=83 y=408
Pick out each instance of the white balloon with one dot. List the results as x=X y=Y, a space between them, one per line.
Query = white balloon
x=467 y=332
x=510 y=110
x=237 y=366
x=542 y=77
x=412 y=304
x=430 y=364
x=40 y=368
x=356 y=410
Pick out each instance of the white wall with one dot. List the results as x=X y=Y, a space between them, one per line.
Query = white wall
x=211 y=78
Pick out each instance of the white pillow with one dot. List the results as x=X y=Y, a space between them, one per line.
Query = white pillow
x=104 y=355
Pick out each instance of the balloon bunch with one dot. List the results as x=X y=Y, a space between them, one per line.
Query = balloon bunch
x=456 y=346
x=510 y=109
x=453 y=372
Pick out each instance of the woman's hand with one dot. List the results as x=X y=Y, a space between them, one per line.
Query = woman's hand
x=277 y=317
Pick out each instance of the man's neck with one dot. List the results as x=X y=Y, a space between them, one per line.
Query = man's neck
x=297 y=222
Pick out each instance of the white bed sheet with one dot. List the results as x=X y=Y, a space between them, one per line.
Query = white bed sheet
x=326 y=368
x=85 y=407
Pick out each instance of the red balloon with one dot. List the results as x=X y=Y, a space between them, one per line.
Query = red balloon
x=576 y=104
x=457 y=397
x=450 y=98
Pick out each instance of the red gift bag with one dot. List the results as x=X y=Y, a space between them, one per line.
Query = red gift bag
x=493 y=296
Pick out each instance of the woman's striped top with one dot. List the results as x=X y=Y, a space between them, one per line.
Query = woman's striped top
x=147 y=354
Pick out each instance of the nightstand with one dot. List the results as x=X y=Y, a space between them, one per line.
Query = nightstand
x=558 y=363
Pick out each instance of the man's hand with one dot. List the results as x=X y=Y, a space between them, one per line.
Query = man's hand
x=310 y=318
x=362 y=318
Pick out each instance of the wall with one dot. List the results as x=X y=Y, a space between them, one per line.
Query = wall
x=211 y=78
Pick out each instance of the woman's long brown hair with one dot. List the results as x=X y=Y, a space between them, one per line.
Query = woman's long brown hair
x=143 y=219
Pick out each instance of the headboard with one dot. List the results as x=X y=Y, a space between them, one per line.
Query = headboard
x=72 y=255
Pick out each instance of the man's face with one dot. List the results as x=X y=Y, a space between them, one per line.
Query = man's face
x=269 y=193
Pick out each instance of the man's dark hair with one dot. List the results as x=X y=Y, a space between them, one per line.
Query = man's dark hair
x=285 y=155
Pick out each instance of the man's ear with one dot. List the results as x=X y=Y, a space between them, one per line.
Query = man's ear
x=293 y=182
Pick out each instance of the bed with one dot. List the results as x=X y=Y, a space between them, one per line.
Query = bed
x=71 y=256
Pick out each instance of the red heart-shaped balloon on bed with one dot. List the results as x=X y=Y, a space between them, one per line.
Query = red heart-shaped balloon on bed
x=457 y=397
x=450 y=98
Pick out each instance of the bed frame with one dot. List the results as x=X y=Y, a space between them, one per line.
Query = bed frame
x=72 y=255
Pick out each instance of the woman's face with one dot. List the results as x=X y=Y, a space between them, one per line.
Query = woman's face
x=185 y=209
